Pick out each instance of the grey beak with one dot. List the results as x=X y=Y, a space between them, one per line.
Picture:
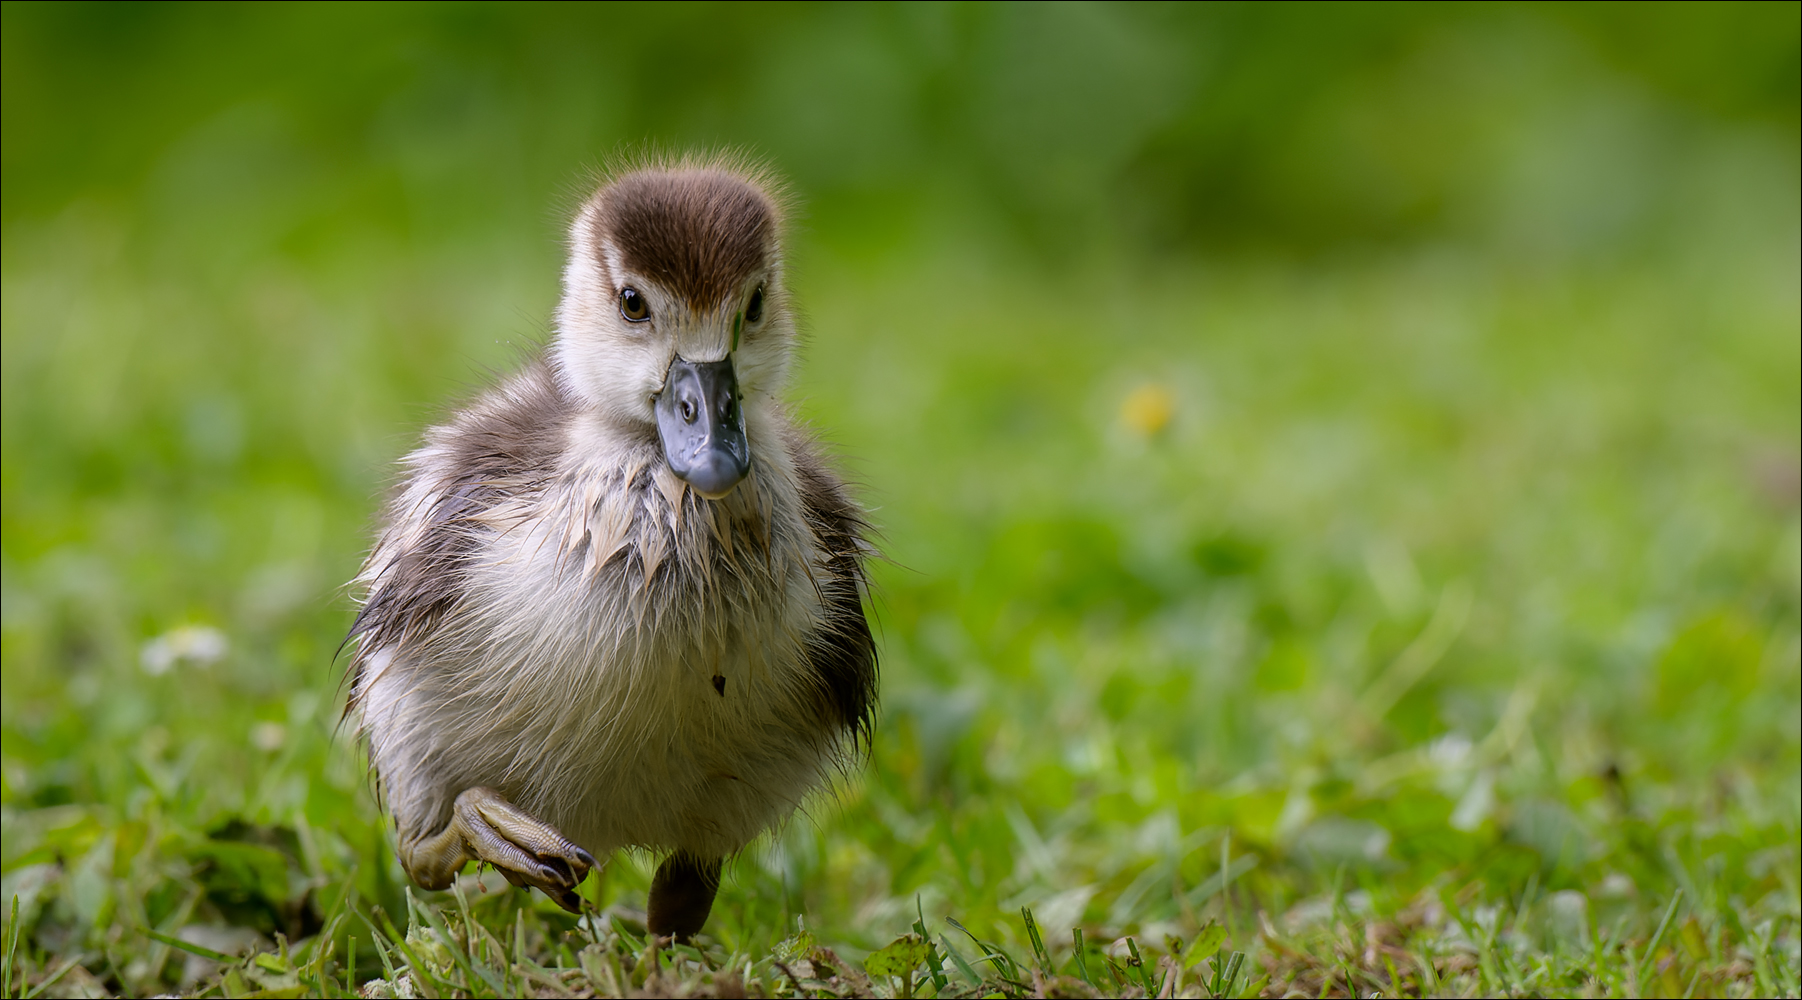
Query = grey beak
x=703 y=427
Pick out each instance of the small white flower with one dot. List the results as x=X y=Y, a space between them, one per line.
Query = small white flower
x=268 y=736
x=198 y=645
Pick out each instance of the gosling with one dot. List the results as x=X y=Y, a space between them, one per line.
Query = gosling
x=618 y=601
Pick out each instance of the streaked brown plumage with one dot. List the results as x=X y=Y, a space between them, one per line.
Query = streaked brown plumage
x=618 y=600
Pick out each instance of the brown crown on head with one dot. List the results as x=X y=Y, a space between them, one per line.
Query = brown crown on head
x=699 y=231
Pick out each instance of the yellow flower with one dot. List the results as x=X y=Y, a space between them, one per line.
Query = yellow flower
x=1148 y=408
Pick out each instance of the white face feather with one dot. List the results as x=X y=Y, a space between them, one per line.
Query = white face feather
x=616 y=366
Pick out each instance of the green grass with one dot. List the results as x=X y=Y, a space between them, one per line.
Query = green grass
x=1407 y=609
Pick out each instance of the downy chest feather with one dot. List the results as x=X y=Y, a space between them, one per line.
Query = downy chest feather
x=641 y=607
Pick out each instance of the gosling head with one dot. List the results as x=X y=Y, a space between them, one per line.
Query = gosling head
x=674 y=320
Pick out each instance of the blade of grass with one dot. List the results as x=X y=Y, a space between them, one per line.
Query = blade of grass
x=992 y=954
x=416 y=967
x=381 y=950
x=495 y=951
x=1226 y=877
x=935 y=965
x=459 y=955
x=1641 y=967
x=63 y=970
x=1237 y=964
x=1429 y=976
x=327 y=987
x=1144 y=974
x=633 y=943
x=12 y=948
x=1082 y=959
x=963 y=966
x=1038 y=944
x=189 y=947
x=328 y=934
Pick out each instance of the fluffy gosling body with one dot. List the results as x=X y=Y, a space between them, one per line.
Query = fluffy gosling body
x=617 y=602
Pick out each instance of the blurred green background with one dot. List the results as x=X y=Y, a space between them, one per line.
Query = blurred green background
x=1315 y=445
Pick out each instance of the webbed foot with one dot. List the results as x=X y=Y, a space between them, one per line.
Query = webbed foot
x=485 y=827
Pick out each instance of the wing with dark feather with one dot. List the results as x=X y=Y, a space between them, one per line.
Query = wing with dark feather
x=496 y=449
x=841 y=651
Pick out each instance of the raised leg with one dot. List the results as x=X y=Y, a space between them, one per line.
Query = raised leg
x=486 y=827
x=682 y=894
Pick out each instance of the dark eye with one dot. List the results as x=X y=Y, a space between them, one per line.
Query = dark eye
x=754 y=310
x=633 y=306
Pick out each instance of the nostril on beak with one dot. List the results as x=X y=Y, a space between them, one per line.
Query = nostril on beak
x=702 y=426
